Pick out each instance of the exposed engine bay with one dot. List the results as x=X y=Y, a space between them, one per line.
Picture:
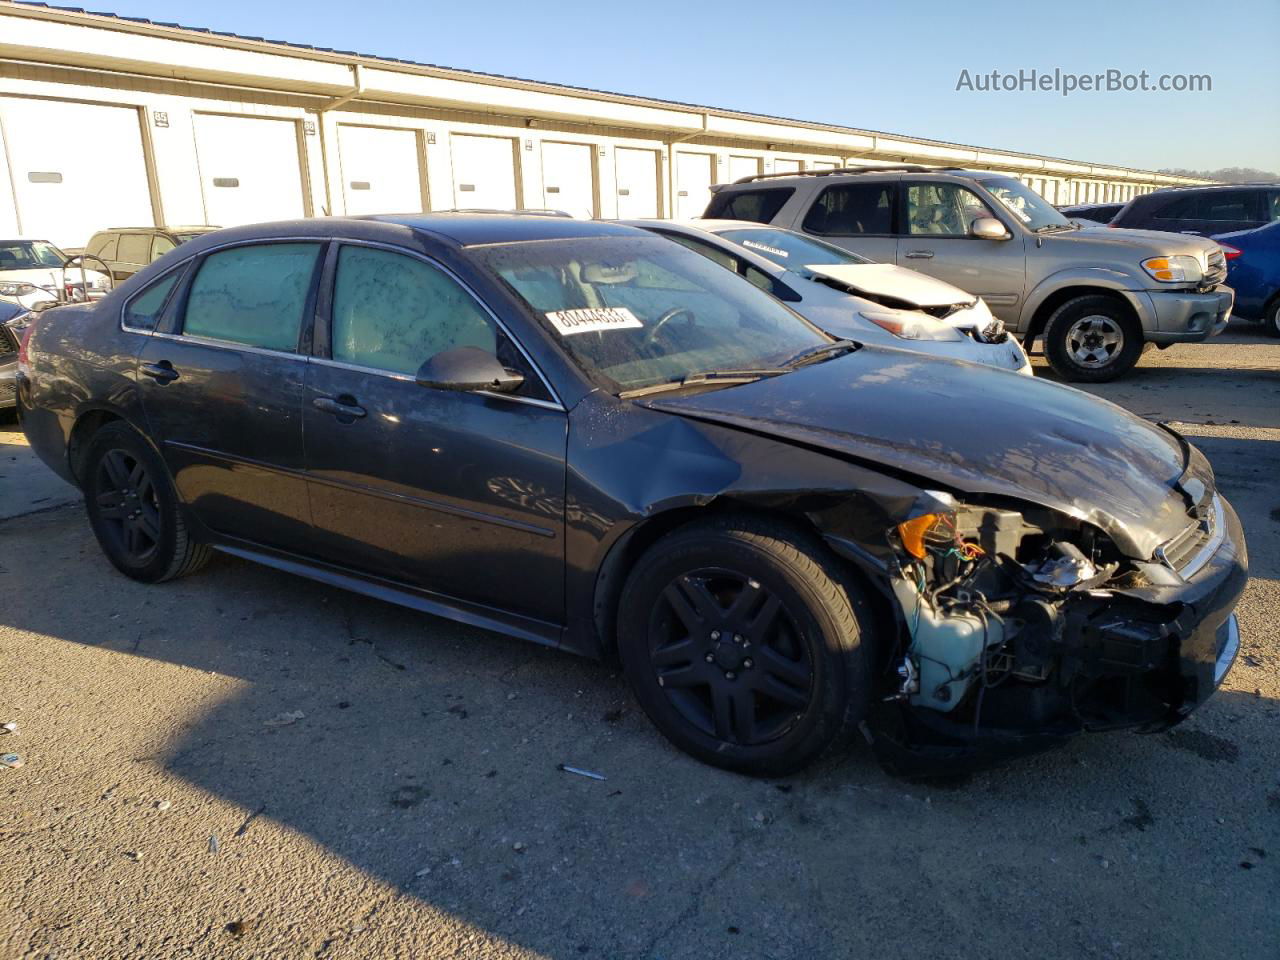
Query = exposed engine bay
x=1025 y=625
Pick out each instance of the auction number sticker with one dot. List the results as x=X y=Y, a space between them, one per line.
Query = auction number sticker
x=767 y=249
x=593 y=319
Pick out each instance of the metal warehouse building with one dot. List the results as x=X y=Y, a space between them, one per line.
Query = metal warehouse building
x=110 y=121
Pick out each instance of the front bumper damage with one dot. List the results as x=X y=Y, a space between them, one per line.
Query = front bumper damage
x=980 y=683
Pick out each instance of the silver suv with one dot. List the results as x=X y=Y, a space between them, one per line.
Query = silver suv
x=1095 y=295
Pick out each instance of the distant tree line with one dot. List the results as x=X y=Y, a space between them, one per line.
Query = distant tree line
x=1225 y=174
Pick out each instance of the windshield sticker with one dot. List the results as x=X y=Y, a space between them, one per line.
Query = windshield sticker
x=760 y=246
x=593 y=319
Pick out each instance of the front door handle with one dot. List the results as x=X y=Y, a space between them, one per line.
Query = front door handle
x=919 y=254
x=344 y=407
x=161 y=372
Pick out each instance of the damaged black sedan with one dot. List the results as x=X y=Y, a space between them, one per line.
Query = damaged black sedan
x=590 y=437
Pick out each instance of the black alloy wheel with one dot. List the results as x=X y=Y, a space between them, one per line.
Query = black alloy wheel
x=134 y=510
x=728 y=656
x=744 y=641
x=127 y=506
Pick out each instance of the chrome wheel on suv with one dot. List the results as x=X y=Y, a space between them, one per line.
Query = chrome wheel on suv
x=1092 y=339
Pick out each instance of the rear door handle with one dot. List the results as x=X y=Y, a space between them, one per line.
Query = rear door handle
x=161 y=372
x=344 y=408
x=919 y=254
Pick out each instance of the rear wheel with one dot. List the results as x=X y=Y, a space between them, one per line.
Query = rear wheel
x=1092 y=339
x=133 y=509
x=745 y=645
x=1271 y=319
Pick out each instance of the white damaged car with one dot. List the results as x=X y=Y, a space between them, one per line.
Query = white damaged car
x=34 y=271
x=850 y=296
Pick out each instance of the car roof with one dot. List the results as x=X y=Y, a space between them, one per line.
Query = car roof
x=850 y=173
x=1254 y=184
x=473 y=229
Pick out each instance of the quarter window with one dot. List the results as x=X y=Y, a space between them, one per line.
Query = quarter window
x=758 y=206
x=103 y=245
x=252 y=295
x=143 y=311
x=944 y=209
x=393 y=312
x=851 y=209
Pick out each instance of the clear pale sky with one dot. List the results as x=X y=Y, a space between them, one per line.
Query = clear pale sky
x=882 y=66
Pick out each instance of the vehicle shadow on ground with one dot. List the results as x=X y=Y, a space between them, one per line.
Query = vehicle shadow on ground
x=427 y=751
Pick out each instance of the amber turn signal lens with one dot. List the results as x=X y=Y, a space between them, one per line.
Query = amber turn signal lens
x=913 y=532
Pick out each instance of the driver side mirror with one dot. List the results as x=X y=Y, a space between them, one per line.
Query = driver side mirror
x=468 y=369
x=989 y=228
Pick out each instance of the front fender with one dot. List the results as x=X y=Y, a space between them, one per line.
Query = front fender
x=652 y=471
x=1112 y=279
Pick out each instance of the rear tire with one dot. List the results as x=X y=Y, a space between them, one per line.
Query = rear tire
x=134 y=510
x=1092 y=339
x=745 y=644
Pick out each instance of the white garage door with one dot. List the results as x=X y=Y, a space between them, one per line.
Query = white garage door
x=786 y=166
x=484 y=172
x=822 y=164
x=76 y=168
x=567 y=180
x=695 y=173
x=636 y=175
x=740 y=167
x=249 y=169
x=381 y=170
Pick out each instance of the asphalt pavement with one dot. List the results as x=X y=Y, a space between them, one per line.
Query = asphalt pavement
x=248 y=764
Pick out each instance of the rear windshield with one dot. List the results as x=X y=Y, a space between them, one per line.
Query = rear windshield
x=758 y=206
x=790 y=250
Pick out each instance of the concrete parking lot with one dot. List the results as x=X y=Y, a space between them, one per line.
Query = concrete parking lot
x=247 y=764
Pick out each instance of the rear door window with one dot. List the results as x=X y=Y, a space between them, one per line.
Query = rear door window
x=758 y=206
x=853 y=209
x=253 y=295
x=135 y=248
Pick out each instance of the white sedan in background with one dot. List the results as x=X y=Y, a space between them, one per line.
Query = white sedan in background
x=850 y=296
x=32 y=271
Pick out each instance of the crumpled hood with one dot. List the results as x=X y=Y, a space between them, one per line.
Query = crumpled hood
x=973 y=430
x=888 y=280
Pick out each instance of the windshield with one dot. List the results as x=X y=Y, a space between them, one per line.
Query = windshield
x=184 y=237
x=1033 y=210
x=791 y=250
x=29 y=254
x=638 y=311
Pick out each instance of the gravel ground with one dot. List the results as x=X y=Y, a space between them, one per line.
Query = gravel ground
x=246 y=764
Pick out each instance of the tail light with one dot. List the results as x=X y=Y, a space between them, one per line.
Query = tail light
x=24 y=342
x=1230 y=252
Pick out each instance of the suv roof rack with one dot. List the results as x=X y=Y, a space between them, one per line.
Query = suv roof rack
x=895 y=168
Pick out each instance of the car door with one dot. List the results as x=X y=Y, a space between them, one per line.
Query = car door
x=859 y=216
x=937 y=217
x=457 y=493
x=221 y=384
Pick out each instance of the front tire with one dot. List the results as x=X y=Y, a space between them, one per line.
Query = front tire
x=134 y=510
x=745 y=644
x=1092 y=339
